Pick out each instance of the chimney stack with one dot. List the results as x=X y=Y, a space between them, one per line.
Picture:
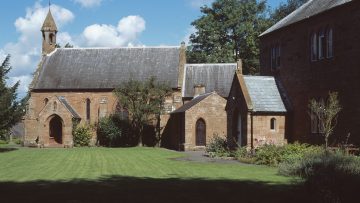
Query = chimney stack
x=239 y=67
x=199 y=90
x=182 y=62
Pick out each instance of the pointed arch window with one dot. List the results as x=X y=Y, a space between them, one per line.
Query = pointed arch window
x=122 y=112
x=88 y=109
x=54 y=106
x=46 y=101
x=52 y=38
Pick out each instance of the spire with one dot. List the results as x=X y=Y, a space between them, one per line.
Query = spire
x=49 y=23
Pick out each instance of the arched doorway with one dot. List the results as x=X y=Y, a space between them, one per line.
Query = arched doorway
x=55 y=130
x=237 y=128
x=200 y=132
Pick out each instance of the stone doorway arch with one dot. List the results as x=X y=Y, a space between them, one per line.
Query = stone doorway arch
x=56 y=130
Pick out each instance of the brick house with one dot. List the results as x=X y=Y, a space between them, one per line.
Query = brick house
x=312 y=51
x=256 y=113
x=194 y=124
x=205 y=89
x=76 y=84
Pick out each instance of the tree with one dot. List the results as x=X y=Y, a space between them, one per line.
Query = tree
x=285 y=9
x=67 y=45
x=11 y=110
x=228 y=31
x=144 y=101
x=326 y=114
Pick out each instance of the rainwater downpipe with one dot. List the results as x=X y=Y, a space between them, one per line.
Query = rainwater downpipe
x=252 y=131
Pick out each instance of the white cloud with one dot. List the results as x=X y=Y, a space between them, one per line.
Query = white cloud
x=25 y=52
x=25 y=80
x=88 y=3
x=63 y=38
x=125 y=34
x=199 y=3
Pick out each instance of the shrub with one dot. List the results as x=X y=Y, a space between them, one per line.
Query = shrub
x=243 y=155
x=269 y=155
x=82 y=136
x=218 y=147
x=296 y=151
x=329 y=176
x=113 y=131
x=17 y=141
x=3 y=141
x=273 y=155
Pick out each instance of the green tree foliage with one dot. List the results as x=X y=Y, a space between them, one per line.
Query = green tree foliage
x=285 y=9
x=228 y=31
x=144 y=101
x=326 y=114
x=112 y=131
x=11 y=110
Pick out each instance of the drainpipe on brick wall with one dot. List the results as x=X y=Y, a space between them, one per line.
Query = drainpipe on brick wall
x=252 y=132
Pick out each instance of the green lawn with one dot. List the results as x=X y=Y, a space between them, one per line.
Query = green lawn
x=133 y=175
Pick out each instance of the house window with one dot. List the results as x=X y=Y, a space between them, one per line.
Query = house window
x=122 y=112
x=316 y=124
x=272 y=124
x=275 y=57
x=124 y=115
x=322 y=44
x=330 y=52
x=87 y=109
x=313 y=47
x=55 y=106
x=46 y=100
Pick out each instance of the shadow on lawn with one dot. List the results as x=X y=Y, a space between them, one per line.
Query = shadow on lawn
x=7 y=149
x=131 y=189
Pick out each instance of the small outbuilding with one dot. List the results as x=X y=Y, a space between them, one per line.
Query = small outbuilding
x=194 y=124
x=256 y=113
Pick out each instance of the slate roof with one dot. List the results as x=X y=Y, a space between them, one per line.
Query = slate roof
x=309 y=9
x=264 y=94
x=106 y=68
x=192 y=103
x=63 y=100
x=49 y=23
x=215 y=77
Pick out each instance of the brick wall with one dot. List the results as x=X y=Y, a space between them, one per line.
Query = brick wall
x=212 y=110
x=304 y=79
x=102 y=104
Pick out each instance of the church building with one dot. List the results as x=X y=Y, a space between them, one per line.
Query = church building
x=75 y=85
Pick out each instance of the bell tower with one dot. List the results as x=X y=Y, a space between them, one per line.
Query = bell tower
x=49 y=31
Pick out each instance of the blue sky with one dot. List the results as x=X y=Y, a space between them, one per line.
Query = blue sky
x=93 y=23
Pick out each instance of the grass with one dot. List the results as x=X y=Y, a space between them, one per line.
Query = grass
x=133 y=175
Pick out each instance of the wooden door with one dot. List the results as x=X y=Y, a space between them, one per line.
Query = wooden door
x=200 y=133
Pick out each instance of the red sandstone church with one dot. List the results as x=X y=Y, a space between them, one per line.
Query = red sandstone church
x=312 y=51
